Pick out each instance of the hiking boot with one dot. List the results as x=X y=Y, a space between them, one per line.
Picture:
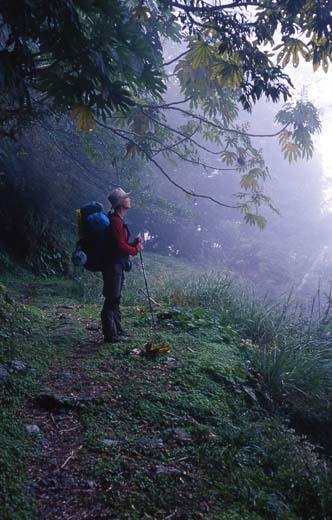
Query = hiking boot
x=115 y=339
x=125 y=333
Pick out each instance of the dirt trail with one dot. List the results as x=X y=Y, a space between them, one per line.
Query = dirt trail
x=60 y=482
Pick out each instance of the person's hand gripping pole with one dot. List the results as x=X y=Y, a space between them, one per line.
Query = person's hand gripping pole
x=139 y=249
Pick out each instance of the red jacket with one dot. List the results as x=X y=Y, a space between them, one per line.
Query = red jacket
x=118 y=238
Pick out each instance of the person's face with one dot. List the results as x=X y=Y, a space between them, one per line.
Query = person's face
x=126 y=203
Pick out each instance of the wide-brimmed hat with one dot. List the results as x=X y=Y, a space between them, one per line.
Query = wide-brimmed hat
x=117 y=196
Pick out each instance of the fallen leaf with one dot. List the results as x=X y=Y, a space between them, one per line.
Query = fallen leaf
x=150 y=349
x=136 y=352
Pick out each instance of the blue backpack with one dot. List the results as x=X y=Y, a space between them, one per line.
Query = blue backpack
x=93 y=224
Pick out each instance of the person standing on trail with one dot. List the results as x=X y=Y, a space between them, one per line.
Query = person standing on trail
x=118 y=251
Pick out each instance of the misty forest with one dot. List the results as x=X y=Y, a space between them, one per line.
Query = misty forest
x=182 y=369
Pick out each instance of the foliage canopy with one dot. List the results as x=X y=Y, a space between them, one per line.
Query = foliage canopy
x=103 y=62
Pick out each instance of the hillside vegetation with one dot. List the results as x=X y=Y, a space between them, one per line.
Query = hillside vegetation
x=232 y=423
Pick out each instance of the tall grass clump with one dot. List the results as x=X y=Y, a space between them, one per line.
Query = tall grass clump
x=287 y=344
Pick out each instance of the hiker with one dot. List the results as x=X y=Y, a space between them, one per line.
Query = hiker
x=118 y=250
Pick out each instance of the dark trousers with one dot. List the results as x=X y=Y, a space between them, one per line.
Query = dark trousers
x=111 y=314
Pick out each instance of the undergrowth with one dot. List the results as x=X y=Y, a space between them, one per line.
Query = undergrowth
x=205 y=431
x=28 y=334
x=288 y=344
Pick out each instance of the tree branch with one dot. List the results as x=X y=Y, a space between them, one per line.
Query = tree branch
x=211 y=123
x=199 y=163
x=161 y=169
x=167 y=105
x=182 y=134
x=175 y=59
x=171 y=147
x=207 y=8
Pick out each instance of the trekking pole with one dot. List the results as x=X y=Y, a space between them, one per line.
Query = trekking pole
x=147 y=290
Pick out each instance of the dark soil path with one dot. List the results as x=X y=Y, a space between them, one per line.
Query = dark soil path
x=60 y=483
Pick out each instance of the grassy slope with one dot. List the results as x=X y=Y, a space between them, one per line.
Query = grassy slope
x=233 y=457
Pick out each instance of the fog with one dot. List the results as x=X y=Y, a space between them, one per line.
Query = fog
x=188 y=374
x=53 y=169
x=293 y=252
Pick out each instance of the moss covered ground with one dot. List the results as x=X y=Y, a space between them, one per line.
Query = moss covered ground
x=184 y=434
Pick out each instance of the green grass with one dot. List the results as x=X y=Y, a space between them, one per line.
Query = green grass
x=27 y=334
x=288 y=346
x=242 y=463
x=243 y=460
